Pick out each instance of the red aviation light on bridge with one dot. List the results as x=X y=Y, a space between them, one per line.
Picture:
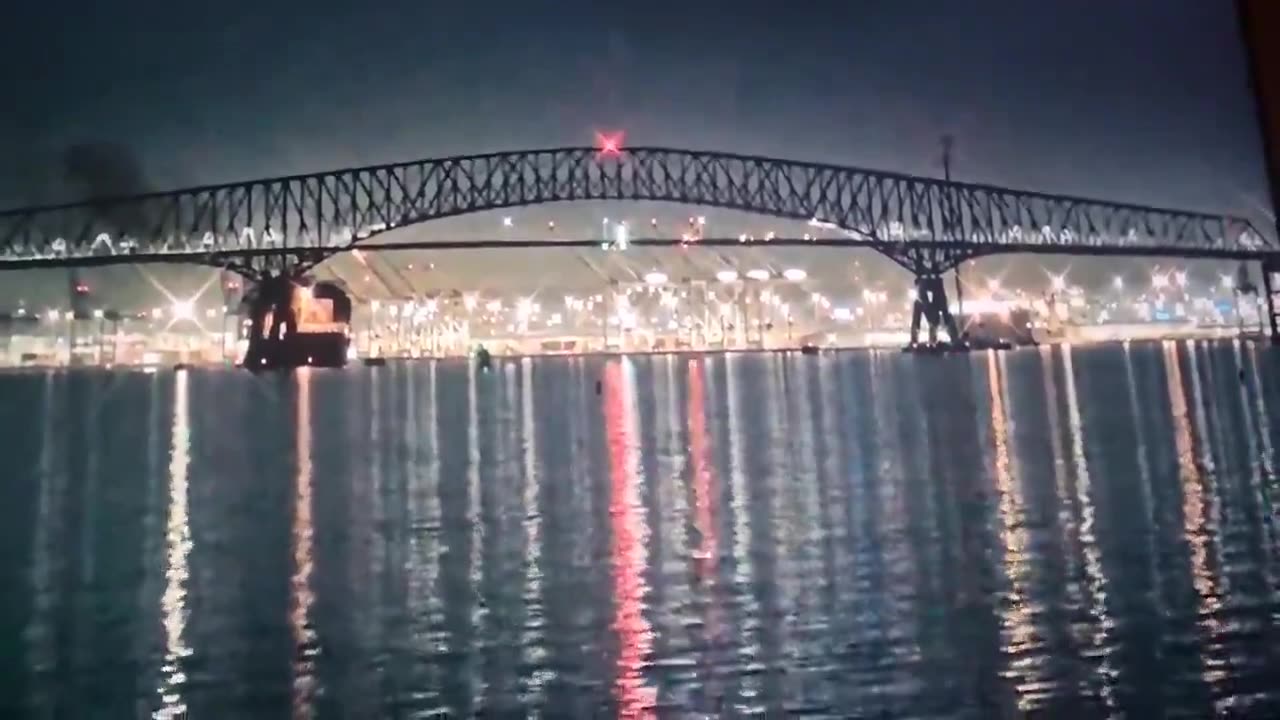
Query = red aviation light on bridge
x=609 y=144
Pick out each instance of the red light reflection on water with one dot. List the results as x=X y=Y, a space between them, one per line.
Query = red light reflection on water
x=628 y=555
x=704 y=518
x=703 y=476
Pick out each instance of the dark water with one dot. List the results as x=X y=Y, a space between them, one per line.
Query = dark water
x=1083 y=533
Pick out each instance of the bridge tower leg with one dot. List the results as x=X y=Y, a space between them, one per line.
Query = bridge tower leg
x=930 y=306
x=1270 y=281
x=272 y=322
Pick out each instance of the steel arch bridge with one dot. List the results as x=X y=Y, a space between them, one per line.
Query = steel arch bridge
x=286 y=225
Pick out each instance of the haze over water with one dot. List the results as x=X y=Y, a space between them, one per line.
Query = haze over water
x=1081 y=532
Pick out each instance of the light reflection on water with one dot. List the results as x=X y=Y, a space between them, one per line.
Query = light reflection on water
x=173 y=603
x=1076 y=532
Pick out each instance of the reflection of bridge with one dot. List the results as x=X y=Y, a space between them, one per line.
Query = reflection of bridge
x=281 y=227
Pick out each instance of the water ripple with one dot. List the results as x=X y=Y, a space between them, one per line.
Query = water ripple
x=1062 y=532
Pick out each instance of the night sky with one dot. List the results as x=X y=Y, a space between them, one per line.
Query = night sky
x=1137 y=100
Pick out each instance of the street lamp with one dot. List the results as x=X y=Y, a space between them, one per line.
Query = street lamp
x=727 y=276
x=655 y=277
x=758 y=274
x=794 y=274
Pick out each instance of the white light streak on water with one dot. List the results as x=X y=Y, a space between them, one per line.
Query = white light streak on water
x=173 y=604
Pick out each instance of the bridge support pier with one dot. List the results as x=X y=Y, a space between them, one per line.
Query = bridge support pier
x=1270 y=280
x=929 y=264
x=930 y=305
x=272 y=324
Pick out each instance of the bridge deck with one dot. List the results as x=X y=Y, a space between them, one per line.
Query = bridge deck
x=223 y=257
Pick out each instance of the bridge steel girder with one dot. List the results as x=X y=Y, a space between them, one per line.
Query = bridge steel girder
x=292 y=262
x=934 y=258
x=327 y=212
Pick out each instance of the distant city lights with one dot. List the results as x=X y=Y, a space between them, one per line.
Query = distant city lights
x=655 y=277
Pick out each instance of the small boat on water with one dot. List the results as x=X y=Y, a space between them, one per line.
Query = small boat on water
x=484 y=361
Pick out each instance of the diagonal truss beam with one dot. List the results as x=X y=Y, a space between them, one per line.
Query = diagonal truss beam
x=334 y=210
